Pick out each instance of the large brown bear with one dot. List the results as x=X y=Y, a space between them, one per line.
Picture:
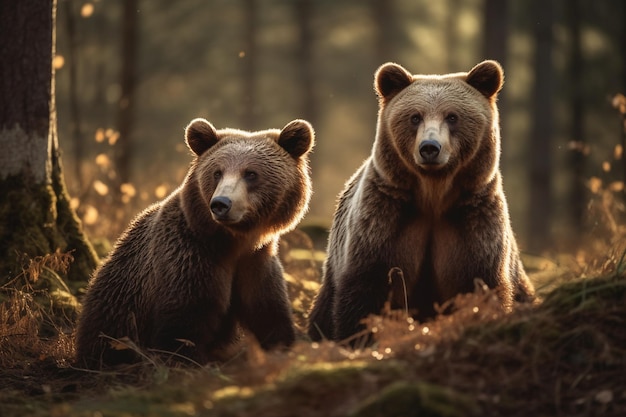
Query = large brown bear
x=194 y=267
x=428 y=201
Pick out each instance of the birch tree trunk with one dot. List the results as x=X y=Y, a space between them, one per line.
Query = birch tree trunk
x=35 y=214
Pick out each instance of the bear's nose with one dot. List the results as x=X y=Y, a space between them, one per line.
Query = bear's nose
x=429 y=149
x=220 y=206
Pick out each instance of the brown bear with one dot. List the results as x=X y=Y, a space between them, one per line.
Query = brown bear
x=429 y=201
x=193 y=268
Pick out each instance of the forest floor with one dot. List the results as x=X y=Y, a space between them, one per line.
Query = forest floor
x=563 y=356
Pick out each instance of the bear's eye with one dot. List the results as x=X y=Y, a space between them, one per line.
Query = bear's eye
x=452 y=118
x=217 y=175
x=250 y=175
x=416 y=119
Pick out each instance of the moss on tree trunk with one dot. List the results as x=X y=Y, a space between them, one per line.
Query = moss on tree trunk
x=38 y=220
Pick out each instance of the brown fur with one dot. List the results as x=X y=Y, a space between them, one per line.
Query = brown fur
x=443 y=222
x=184 y=276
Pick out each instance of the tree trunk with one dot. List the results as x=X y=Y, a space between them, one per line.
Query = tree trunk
x=34 y=204
x=622 y=35
x=383 y=12
x=577 y=192
x=540 y=143
x=126 y=106
x=250 y=65
x=75 y=120
x=306 y=63
x=496 y=35
x=452 y=36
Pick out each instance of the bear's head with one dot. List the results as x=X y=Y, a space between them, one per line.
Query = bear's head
x=251 y=180
x=438 y=126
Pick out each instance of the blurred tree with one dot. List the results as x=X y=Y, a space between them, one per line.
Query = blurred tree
x=452 y=35
x=540 y=143
x=577 y=197
x=495 y=38
x=306 y=63
x=34 y=204
x=496 y=30
x=126 y=105
x=73 y=99
x=622 y=54
x=250 y=64
x=383 y=12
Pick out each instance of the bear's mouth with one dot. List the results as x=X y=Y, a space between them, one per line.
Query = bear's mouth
x=225 y=219
x=431 y=164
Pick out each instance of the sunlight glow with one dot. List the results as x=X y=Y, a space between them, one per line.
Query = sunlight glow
x=595 y=184
x=91 y=215
x=128 y=189
x=99 y=136
x=113 y=136
x=100 y=187
x=160 y=191
x=58 y=61
x=86 y=10
x=103 y=160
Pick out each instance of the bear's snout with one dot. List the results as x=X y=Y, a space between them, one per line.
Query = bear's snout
x=220 y=206
x=429 y=150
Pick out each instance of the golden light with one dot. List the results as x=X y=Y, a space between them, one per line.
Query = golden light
x=606 y=166
x=160 y=191
x=86 y=10
x=91 y=215
x=128 y=189
x=595 y=184
x=617 y=186
x=113 y=137
x=100 y=135
x=103 y=160
x=100 y=187
x=58 y=61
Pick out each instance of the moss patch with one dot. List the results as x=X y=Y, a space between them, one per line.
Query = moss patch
x=38 y=220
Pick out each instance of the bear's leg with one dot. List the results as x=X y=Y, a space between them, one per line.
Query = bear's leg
x=194 y=332
x=360 y=292
x=261 y=302
x=321 y=316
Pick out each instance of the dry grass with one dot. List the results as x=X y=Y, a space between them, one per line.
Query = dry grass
x=566 y=355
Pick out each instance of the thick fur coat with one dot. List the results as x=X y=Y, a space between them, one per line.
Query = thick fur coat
x=429 y=201
x=195 y=268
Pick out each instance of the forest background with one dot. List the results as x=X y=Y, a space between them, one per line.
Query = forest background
x=131 y=74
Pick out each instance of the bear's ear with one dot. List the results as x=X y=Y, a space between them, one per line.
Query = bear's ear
x=200 y=135
x=487 y=77
x=390 y=79
x=297 y=138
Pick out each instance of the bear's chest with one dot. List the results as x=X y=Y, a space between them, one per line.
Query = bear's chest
x=432 y=254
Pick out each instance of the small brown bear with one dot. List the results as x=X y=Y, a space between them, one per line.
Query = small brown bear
x=429 y=201
x=194 y=267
